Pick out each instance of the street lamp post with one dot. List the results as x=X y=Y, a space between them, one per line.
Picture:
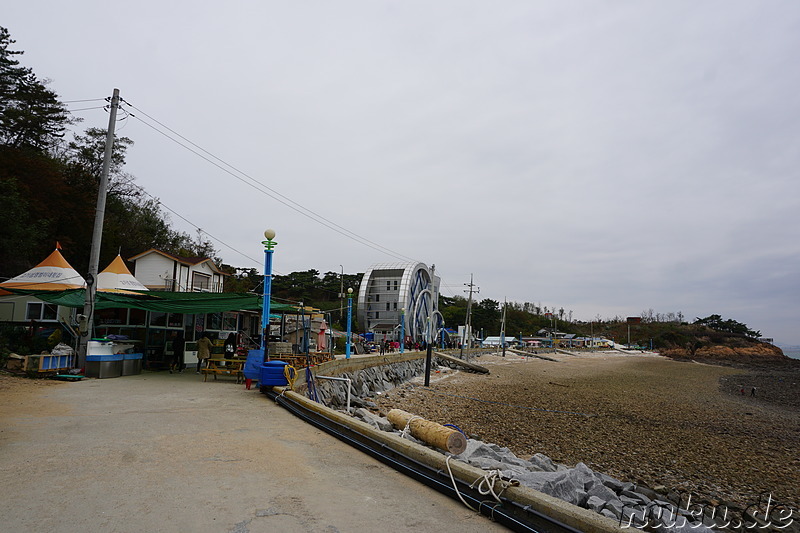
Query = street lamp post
x=269 y=244
x=402 y=329
x=349 y=323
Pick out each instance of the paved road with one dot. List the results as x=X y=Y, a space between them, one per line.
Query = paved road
x=161 y=452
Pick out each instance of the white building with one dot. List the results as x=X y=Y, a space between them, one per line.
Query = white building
x=387 y=289
x=160 y=271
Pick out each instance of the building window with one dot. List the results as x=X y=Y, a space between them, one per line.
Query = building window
x=201 y=282
x=157 y=318
x=387 y=306
x=175 y=320
x=138 y=317
x=377 y=297
x=215 y=321
x=395 y=305
x=388 y=285
x=395 y=284
x=230 y=322
x=111 y=316
x=377 y=314
x=41 y=311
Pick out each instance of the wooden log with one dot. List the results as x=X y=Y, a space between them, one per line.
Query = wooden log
x=464 y=364
x=429 y=432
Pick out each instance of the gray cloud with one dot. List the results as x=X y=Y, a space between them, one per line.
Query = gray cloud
x=607 y=157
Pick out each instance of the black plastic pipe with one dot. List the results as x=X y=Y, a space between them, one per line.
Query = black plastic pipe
x=507 y=512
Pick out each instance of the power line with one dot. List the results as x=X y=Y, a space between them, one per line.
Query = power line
x=85 y=100
x=84 y=109
x=198 y=228
x=259 y=186
x=255 y=184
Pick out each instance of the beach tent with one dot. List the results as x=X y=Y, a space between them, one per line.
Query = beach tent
x=117 y=278
x=52 y=274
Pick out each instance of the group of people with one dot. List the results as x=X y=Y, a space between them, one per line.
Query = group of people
x=204 y=344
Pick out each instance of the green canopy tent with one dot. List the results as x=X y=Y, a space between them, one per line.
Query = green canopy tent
x=187 y=303
x=160 y=301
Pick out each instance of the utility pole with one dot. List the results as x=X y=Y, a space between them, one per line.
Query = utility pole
x=503 y=327
x=97 y=236
x=468 y=326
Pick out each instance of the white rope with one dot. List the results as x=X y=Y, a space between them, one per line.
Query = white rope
x=486 y=484
x=280 y=395
x=407 y=430
x=453 y=481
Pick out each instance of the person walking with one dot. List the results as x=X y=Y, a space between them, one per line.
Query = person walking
x=230 y=346
x=203 y=351
x=178 y=344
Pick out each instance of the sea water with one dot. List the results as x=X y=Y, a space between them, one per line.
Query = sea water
x=791 y=351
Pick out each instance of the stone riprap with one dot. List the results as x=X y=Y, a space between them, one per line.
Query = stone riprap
x=374 y=380
x=603 y=494
x=626 y=503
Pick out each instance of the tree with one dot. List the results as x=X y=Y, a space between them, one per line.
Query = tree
x=87 y=152
x=21 y=233
x=242 y=279
x=31 y=115
x=486 y=316
x=728 y=326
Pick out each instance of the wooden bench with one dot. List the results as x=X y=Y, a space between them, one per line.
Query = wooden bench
x=225 y=367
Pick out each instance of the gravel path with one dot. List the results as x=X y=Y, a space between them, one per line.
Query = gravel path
x=647 y=419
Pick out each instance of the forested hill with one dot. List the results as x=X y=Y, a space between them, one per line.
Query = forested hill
x=49 y=176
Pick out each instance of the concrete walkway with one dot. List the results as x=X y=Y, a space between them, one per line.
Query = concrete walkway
x=161 y=452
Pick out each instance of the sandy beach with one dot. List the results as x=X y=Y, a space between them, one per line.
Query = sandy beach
x=640 y=418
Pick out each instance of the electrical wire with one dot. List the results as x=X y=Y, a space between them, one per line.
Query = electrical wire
x=275 y=272
x=271 y=189
x=254 y=183
x=198 y=228
x=84 y=100
x=84 y=109
x=265 y=189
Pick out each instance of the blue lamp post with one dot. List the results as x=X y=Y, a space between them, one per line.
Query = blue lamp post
x=349 y=323
x=402 y=329
x=269 y=244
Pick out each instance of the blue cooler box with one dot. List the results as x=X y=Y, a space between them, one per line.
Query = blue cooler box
x=104 y=366
x=272 y=374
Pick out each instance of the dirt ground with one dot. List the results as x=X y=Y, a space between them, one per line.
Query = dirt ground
x=161 y=452
x=645 y=419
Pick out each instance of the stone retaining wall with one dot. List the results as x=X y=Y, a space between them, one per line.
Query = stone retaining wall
x=368 y=376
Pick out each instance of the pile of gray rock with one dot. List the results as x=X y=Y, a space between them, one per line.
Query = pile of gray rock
x=368 y=382
x=631 y=505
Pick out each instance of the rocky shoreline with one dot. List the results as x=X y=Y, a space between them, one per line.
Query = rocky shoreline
x=645 y=420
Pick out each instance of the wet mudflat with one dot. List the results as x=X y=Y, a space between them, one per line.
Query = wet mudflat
x=644 y=419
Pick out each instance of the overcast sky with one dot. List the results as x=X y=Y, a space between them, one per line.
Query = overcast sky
x=605 y=157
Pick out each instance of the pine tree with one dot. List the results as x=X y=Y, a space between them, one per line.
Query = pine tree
x=31 y=116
